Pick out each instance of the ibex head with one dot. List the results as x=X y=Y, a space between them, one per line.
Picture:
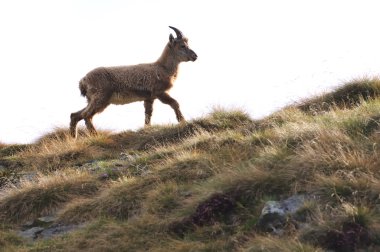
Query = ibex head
x=180 y=47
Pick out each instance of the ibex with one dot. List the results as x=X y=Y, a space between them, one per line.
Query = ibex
x=126 y=84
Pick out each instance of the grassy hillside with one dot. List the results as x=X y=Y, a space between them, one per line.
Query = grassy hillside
x=202 y=186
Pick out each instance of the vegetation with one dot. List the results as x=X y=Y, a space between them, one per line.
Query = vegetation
x=202 y=186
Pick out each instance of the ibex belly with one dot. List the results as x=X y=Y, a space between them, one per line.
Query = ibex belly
x=120 y=99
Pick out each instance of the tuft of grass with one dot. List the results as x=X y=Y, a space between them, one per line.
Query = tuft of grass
x=121 y=201
x=59 y=134
x=8 y=178
x=346 y=96
x=165 y=198
x=44 y=197
x=9 y=241
x=227 y=119
x=187 y=167
x=251 y=183
x=12 y=149
x=333 y=150
x=58 y=149
x=262 y=243
x=349 y=187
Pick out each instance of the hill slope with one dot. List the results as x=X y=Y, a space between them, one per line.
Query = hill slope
x=202 y=186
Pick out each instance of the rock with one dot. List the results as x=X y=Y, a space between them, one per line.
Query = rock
x=186 y=193
x=276 y=214
x=103 y=176
x=44 y=228
x=31 y=233
x=28 y=224
x=57 y=230
x=40 y=222
x=47 y=219
x=29 y=176
x=128 y=157
x=46 y=233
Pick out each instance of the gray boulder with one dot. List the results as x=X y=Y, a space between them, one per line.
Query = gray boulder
x=31 y=233
x=45 y=228
x=276 y=214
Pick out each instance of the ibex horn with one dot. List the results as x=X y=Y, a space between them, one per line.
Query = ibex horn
x=177 y=32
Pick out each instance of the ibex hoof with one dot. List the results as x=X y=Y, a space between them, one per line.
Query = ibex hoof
x=182 y=122
x=73 y=133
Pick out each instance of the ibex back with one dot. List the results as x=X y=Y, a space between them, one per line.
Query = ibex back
x=125 y=84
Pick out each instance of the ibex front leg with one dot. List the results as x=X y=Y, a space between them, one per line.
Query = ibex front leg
x=148 y=105
x=167 y=99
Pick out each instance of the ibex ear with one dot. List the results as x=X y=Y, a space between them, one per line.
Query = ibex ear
x=171 y=39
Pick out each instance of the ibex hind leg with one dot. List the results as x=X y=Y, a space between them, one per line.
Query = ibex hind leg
x=74 y=119
x=92 y=109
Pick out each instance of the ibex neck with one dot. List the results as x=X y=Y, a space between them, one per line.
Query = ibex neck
x=168 y=61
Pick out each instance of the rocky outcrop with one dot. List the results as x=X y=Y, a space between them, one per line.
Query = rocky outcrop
x=45 y=228
x=275 y=215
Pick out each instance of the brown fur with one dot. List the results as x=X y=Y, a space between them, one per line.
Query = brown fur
x=125 y=84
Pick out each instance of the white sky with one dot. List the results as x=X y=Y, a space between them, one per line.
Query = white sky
x=254 y=55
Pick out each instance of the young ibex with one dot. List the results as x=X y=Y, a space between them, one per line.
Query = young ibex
x=125 y=84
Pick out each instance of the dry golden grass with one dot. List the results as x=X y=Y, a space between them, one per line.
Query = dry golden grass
x=57 y=150
x=34 y=199
x=9 y=241
x=348 y=95
x=201 y=186
x=275 y=244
